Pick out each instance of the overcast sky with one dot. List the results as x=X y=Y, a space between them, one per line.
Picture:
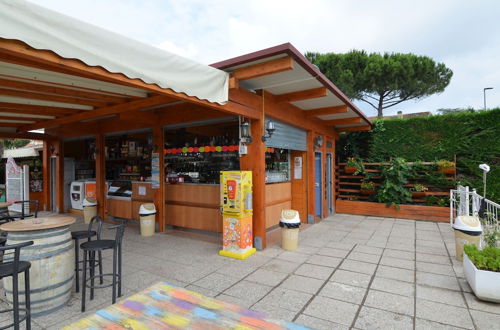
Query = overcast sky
x=465 y=35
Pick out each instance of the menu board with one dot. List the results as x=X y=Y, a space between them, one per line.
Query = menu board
x=155 y=170
x=16 y=179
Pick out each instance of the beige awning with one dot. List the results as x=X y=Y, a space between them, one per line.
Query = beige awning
x=20 y=153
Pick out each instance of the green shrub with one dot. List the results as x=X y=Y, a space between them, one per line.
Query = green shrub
x=472 y=136
x=392 y=190
x=485 y=259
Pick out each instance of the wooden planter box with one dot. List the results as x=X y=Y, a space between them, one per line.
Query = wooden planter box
x=349 y=169
x=418 y=194
x=447 y=170
x=367 y=192
x=419 y=212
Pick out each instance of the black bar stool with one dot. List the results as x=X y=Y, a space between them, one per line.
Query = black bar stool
x=90 y=248
x=86 y=234
x=13 y=267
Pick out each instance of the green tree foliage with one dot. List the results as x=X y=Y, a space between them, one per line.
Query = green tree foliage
x=474 y=137
x=383 y=80
x=14 y=143
x=393 y=191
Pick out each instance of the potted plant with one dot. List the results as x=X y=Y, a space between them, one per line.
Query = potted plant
x=419 y=190
x=482 y=271
x=353 y=166
x=367 y=188
x=446 y=167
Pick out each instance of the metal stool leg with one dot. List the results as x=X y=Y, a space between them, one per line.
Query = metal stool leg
x=100 y=267
x=92 y=273
x=15 y=300
x=84 y=279
x=27 y=298
x=77 y=265
x=120 y=270
x=114 y=274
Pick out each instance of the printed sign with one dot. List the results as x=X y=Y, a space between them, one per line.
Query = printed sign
x=297 y=168
x=155 y=170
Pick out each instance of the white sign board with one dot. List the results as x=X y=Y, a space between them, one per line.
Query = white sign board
x=297 y=168
x=17 y=184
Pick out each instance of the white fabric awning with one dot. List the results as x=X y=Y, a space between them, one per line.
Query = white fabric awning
x=70 y=38
x=20 y=153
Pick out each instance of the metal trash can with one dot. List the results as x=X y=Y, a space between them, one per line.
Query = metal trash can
x=468 y=230
x=89 y=209
x=290 y=223
x=147 y=214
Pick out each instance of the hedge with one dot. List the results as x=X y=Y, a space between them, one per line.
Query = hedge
x=472 y=136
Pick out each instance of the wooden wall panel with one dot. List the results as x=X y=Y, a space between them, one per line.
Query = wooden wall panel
x=208 y=195
x=202 y=218
x=419 y=212
x=119 y=209
x=273 y=213
x=299 y=186
x=278 y=192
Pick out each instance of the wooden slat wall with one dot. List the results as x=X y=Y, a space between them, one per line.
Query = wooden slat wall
x=299 y=186
x=278 y=197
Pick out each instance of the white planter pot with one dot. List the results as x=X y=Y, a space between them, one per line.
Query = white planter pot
x=485 y=284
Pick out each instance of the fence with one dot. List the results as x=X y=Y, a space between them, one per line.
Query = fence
x=466 y=202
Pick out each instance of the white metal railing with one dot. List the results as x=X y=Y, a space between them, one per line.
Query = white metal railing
x=466 y=202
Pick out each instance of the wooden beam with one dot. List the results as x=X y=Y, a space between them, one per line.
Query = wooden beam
x=59 y=154
x=144 y=117
x=60 y=91
x=48 y=60
x=114 y=109
x=46 y=176
x=301 y=95
x=53 y=98
x=28 y=136
x=159 y=195
x=36 y=109
x=100 y=175
x=12 y=124
x=343 y=121
x=234 y=83
x=263 y=69
x=327 y=111
x=353 y=128
x=2 y=117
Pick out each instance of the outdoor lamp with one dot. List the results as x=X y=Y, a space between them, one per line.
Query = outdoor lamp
x=269 y=131
x=245 y=132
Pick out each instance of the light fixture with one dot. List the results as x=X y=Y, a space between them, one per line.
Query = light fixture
x=484 y=95
x=52 y=148
x=245 y=132
x=269 y=131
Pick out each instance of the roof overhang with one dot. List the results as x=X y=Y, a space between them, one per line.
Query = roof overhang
x=298 y=82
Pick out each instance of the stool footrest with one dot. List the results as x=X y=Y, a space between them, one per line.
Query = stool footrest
x=100 y=286
x=21 y=318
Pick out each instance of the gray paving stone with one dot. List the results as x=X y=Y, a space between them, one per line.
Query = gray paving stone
x=203 y=291
x=484 y=320
x=421 y=324
x=341 y=246
x=440 y=281
x=399 y=254
x=393 y=286
x=368 y=249
x=432 y=258
x=358 y=266
x=365 y=257
x=480 y=305
x=390 y=302
x=331 y=252
x=442 y=313
x=307 y=249
x=343 y=292
x=315 y=323
x=248 y=291
x=332 y=310
x=464 y=285
x=274 y=312
x=236 y=270
x=293 y=256
x=324 y=261
x=235 y=300
x=282 y=266
x=444 y=296
x=400 y=246
x=302 y=284
x=435 y=268
x=396 y=273
x=351 y=278
x=376 y=243
x=216 y=282
x=371 y=318
x=314 y=271
x=432 y=250
x=286 y=299
x=399 y=263
x=266 y=277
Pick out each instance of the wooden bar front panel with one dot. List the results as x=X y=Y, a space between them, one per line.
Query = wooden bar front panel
x=278 y=198
x=119 y=208
x=193 y=206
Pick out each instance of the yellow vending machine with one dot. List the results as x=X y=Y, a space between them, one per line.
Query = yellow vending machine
x=236 y=207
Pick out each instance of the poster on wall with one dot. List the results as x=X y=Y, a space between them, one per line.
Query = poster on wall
x=297 y=168
x=155 y=170
x=17 y=180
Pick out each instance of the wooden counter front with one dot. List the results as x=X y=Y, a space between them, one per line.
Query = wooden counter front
x=193 y=206
x=278 y=197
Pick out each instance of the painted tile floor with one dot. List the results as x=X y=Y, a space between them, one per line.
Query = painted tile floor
x=350 y=272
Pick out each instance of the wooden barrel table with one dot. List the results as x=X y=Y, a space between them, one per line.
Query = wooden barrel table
x=52 y=258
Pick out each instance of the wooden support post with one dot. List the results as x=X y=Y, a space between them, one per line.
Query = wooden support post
x=323 y=178
x=100 y=175
x=46 y=176
x=255 y=161
x=159 y=142
x=310 y=177
x=59 y=151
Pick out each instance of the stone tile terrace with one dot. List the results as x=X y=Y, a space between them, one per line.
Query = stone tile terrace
x=350 y=272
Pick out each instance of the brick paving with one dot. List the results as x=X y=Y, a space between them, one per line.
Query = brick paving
x=350 y=272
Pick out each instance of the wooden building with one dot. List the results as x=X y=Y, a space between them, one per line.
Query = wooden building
x=118 y=121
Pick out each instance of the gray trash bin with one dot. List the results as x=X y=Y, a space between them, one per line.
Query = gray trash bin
x=89 y=209
x=147 y=213
x=468 y=230
x=289 y=223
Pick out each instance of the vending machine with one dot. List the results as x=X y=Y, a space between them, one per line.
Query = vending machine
x=236 y=207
